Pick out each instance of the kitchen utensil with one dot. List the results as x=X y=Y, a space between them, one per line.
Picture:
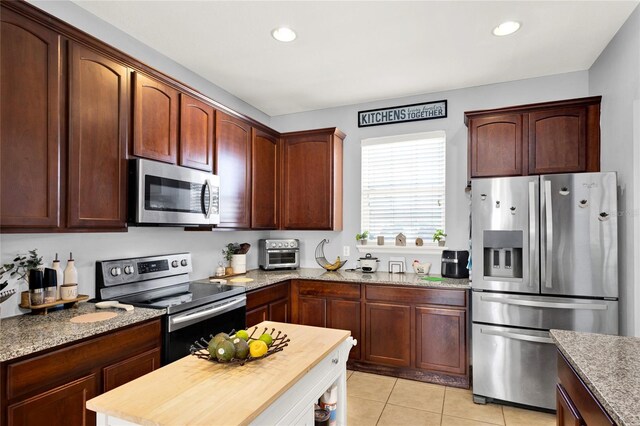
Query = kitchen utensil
x=368 y=263
x=36 y=287
x=50 y=285
x=113 y=304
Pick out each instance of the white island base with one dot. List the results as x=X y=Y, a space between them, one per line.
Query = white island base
x=281 y=389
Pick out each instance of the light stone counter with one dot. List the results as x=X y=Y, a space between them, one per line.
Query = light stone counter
x=609 y=366
x=26 y=334
x=265 y=278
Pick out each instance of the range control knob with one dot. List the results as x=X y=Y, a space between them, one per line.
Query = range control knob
x=183 y=262
x=286 y=244
x=174 y=263
x=128 y=269
x=279 y=244
x=115 y=271
x=293 y=244
x=273 y=244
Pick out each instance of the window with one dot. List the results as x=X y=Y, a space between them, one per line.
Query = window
x=403 y=185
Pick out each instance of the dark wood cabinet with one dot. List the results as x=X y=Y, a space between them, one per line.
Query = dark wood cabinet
x=312 y=311
x=197 y=120
x=38 y=387
x=233 y=165
x=268 y=304
x=63 y=405
x=264 y=179
x=575 y=404
x=98 y=128
x=155 y=119
x=550 y=137
x=312 y=180
x=345 y=315
x=388 y=334
x=30 y=118
x=441 y=339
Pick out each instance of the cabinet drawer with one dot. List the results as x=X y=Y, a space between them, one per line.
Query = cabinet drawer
x=267 y=295
x=427 y=296
x=328 y=289
x=66 y=364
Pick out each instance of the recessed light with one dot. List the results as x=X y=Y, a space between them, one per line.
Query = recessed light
x=284 y=34
x=506 y=28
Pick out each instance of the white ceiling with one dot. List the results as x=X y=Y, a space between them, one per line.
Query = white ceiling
x=360 y=51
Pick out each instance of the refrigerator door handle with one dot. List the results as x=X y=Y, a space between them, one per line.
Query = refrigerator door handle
x=548 y=210
x=517 y=336
x=532 y=235
x=537 y=304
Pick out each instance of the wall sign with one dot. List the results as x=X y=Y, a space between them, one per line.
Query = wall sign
x=404 y=113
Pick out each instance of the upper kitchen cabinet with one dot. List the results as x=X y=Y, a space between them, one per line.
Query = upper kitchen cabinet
x=30 y=116
x=98 y=128
x=551 y=137
x=233 y=165
x=197 y=121
x=264 y=179
x=312 y=180
x=155 y=119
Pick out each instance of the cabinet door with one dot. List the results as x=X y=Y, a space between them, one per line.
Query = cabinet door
x=388 y=334
x=64 y=405
x=155 y=119
x=496 y=146
x=566 y=413
x=312 y=181
x=98 y=128
x=130 y=369
x=196 y=133
x=312 y=311
x=345 y=315
x=279 y=311
x=233 y=165
x=441 y=340
x=256 y=316
x=558 y=140
x=264 y=180
x=30 y=116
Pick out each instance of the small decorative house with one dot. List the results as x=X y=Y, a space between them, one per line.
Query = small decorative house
x=401 y=240
x=419 y=242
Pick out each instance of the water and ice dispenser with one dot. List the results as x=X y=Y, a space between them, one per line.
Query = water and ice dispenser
x=502 y=254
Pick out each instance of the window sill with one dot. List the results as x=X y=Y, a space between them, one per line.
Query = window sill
x=388 y=248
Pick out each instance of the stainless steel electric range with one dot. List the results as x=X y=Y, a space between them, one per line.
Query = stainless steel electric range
x=194 y=309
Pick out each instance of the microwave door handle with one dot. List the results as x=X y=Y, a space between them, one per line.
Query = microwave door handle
x=207 y=185
x=548 y=209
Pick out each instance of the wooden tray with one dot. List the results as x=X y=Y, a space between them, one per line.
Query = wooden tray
x=44 y=308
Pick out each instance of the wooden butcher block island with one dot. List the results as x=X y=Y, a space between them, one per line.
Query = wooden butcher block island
x=280 y=389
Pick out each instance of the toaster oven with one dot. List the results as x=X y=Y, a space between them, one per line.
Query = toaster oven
x=278 y=254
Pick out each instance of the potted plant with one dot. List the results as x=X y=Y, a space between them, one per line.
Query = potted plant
x=439 y=236
x=20 y=268
x=362 y=237
x=236 y=256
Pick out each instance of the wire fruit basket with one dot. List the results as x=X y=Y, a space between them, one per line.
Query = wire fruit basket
x=322 y=260
x=280 y=341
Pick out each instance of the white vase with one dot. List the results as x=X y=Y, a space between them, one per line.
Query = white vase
x=239 y=263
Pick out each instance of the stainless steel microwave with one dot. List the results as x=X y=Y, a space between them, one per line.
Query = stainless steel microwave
x=165 y=194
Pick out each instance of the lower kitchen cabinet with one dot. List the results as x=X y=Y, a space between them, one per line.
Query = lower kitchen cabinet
x=575 y=404
x=38 y=389
x=328 y=304
x=268 y=304
x=388 y=334
x=441 y=339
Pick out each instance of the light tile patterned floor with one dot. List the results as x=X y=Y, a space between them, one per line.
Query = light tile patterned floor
x=387 y=401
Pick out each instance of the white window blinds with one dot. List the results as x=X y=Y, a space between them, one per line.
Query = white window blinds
x=403 y=185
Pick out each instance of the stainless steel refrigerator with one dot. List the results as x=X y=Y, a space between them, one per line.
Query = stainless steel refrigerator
x=545 y=255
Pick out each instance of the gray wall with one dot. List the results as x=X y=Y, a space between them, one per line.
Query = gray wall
x=554 y=87
x=616 y=76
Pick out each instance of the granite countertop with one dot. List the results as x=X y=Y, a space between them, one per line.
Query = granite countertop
x=265 y=278
x=26 y=334
x=609 y=366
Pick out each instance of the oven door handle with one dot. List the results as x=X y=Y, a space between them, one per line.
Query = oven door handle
x=208 y=312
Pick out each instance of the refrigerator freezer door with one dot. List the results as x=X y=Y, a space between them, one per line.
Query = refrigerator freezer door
x=545 y=312
x=579 y=235
x=513 y=364
x=505 y=234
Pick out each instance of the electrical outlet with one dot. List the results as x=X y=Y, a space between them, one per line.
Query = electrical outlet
x=346 y=250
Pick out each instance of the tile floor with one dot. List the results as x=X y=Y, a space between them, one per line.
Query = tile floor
x=380 y=400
